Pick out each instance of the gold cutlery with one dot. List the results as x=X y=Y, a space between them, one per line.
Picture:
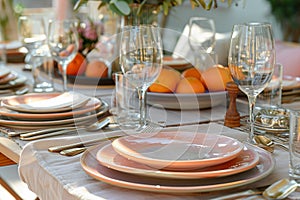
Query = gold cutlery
x=33 y=135
x=80 y=144
x=73 y=151
x=278 y=190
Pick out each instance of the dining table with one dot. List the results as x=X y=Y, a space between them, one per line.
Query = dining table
x=53 y=176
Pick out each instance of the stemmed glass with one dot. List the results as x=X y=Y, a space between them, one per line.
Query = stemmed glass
x=201 y=38
x=32 y=34
x=63 y=44
x=141 y=60
x=251 y=61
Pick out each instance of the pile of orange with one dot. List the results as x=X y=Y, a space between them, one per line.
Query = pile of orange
x=192 y=80
x=80 y=66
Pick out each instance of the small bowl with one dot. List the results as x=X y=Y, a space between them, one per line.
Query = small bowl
x=272 y=118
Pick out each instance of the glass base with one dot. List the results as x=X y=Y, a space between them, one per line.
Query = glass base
x=43 y=87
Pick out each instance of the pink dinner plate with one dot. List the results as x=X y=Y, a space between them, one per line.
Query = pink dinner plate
x=76 y=119
x=58 y=102
x=4 y=72
x=243 y=162
x=92 y=167
x=92 y=105
x=178 y=151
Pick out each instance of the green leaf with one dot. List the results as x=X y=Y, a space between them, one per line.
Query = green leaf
x=78 y=4
x=114 y=9
x=208 y=7
x=122 y=6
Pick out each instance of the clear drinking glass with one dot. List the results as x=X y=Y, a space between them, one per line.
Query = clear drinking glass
x=63 y=44
x=201 y=39
x=33 y=36
x=141 y=60
x=251 y=61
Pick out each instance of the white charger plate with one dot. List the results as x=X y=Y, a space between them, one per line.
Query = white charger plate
x=186 y=101
x=92 y=167
x=178 y=151
x=248 y=159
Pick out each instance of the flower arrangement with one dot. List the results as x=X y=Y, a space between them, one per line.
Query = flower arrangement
x=122 y=7
x=88 y=35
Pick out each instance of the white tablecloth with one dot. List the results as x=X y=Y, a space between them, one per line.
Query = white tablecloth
x=52 y=176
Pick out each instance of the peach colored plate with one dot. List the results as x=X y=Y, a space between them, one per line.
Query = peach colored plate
x=76 y=119
x=245 y=161
x=92 y=105
x=11 y=76
x=186 y=101
x=92 y=167
x=178 y=151
x=4 y=72
x=45 y=102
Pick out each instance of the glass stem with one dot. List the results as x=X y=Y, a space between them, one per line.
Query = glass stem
x=65 y=81
x=142 y=105
x=252 y=100
x=33 y=62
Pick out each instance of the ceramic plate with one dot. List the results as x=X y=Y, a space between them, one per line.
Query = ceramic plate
x=92 y=105
x=9 y=122
x=178 y=151
x=4 y=72
x=9 y=77
x=245 y=161
x=179 y=186
x=186 y=101
x=20 y=80
x=45 y=102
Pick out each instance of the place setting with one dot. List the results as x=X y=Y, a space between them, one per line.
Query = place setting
x=177 y=162
x=36 y=115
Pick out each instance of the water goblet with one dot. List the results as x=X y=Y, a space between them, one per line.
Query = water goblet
x=32 y=34
x=141 y=60
x=251 y=61
x=202 y=40
x=63 y=43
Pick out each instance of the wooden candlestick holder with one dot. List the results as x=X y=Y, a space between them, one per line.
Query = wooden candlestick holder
x=232 y=117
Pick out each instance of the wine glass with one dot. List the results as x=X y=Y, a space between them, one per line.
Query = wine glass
x=202 y=40
x=63 y=44
x=251 y=61
x=32 y=34
x=141 y=60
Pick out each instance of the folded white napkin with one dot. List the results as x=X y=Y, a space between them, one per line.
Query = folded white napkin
x=182 y=48
x=65 y=100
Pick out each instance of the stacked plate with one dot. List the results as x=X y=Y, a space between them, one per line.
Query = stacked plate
x=10 y=79
x=177 y=162
x=42 y=110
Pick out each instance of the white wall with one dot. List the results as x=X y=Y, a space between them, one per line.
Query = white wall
x=225 y=18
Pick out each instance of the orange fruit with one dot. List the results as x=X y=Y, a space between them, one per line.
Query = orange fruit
x=190 y=85
x=192 y=72
x=96 y=68
x=166 y=81
x=77 y=66
x=216 y=77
